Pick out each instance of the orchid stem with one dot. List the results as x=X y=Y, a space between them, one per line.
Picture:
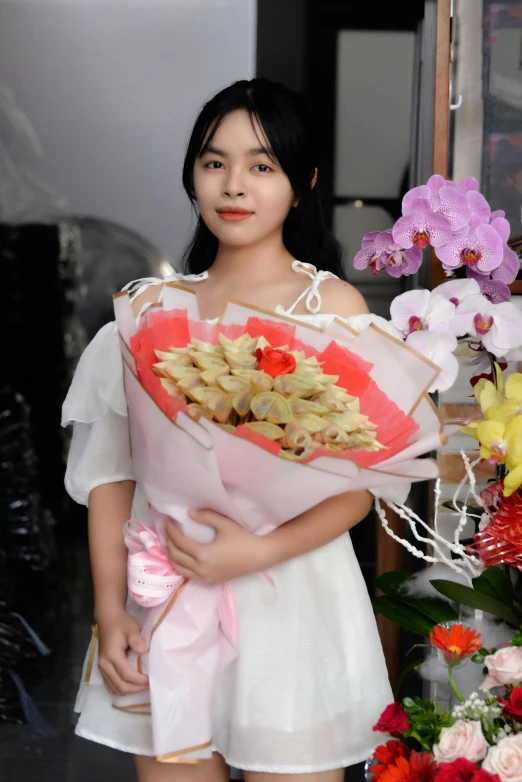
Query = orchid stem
x=453 y=685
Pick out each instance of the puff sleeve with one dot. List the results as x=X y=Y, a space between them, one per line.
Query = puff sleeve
x=97 y=409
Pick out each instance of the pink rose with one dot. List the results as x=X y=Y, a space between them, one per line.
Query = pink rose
x=505 y=759
x=463 y=739
x=504 y=667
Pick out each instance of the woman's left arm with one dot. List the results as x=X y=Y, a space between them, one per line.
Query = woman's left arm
x=317 y=527
x=235 y=551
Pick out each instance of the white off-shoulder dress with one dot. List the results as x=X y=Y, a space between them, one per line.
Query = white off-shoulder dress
x=310 y=679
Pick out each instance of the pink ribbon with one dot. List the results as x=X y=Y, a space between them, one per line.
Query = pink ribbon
x=152 y=579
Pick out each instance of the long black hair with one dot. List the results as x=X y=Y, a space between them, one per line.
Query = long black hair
x=286 y=122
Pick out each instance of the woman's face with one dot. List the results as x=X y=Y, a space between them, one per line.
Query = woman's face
x=236 y=173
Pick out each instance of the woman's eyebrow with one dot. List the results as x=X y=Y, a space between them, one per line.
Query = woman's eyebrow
x=251 y=152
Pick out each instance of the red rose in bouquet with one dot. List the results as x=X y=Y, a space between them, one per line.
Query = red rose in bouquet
x=275 y=362
x=462 y=770
x=513 y=706
x=393 y=720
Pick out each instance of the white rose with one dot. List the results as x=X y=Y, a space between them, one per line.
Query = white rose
x=505 y=759
x=463 y=739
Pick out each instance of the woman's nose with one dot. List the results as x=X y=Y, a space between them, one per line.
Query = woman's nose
x=234 y=185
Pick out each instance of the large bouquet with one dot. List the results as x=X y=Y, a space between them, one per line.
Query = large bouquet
x=218 y=414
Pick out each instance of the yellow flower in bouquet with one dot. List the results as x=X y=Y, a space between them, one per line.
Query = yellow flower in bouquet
x=276 y=392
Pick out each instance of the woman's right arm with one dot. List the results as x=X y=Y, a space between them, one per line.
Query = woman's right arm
x=109 y=508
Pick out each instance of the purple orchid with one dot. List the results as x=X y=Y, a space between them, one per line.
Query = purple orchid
x=508 y=269
x=379 y=251
x=494 y=290
x=443 y=199
x=480 y=247
x=421 y=226
x=480 y=211
x=466 y=185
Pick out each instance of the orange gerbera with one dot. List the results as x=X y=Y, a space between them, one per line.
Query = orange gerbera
x=420 y=767
x=455 y=641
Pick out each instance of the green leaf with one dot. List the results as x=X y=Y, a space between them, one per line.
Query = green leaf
x=408 y=703
x=477 y=658
x=471 y=597
x=432 y=607
x=495 y=583
x=390 y=583
x=402 y=615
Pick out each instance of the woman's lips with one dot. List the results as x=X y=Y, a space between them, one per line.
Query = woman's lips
x=234 y=217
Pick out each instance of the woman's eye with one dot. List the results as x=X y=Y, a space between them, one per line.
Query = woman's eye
x=264 y=166
x=211 y=163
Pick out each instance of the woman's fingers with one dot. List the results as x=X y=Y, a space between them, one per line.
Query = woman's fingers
x=180 y=559
x=187 y=573
x=181 y=541
x=127 y=673
x=121 y=686
x=108 y=685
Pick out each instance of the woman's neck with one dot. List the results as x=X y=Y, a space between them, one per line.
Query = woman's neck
x=265 y=260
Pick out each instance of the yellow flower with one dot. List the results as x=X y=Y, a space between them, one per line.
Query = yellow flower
x=487 y=395
x=501 y=443
x=506 y=410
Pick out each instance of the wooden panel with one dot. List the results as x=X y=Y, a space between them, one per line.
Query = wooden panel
x=460 y=412
x=441 y=120
x=452 y=468
x=390 y=556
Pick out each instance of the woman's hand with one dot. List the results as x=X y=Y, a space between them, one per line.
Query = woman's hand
x=234 y=551
x=117 y=632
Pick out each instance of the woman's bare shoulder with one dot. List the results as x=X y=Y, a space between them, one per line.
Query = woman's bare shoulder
x=341 y=298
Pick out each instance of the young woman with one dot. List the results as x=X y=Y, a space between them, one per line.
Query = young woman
x=310 y=680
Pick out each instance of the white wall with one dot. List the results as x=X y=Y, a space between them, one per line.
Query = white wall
x=112 y=89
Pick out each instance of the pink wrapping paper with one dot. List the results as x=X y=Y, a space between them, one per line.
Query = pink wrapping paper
x=186 y=464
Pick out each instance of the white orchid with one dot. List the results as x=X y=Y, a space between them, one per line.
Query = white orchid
x=497 y=326
x=438 y=348
x=420 y=310
x=457 y=290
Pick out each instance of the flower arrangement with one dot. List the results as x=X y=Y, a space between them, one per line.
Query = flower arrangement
x=480 y=738
x=457 y=221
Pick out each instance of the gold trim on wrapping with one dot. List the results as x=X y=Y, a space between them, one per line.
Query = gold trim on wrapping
x=173 y=284
x=136 y=710
x=120 y=293
x=133 y=706
x=90 y=658
x=344 y=325
x=408 y=348
x=429 y=400
x=163 y=616
x=294 y=321
x=174 y=757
